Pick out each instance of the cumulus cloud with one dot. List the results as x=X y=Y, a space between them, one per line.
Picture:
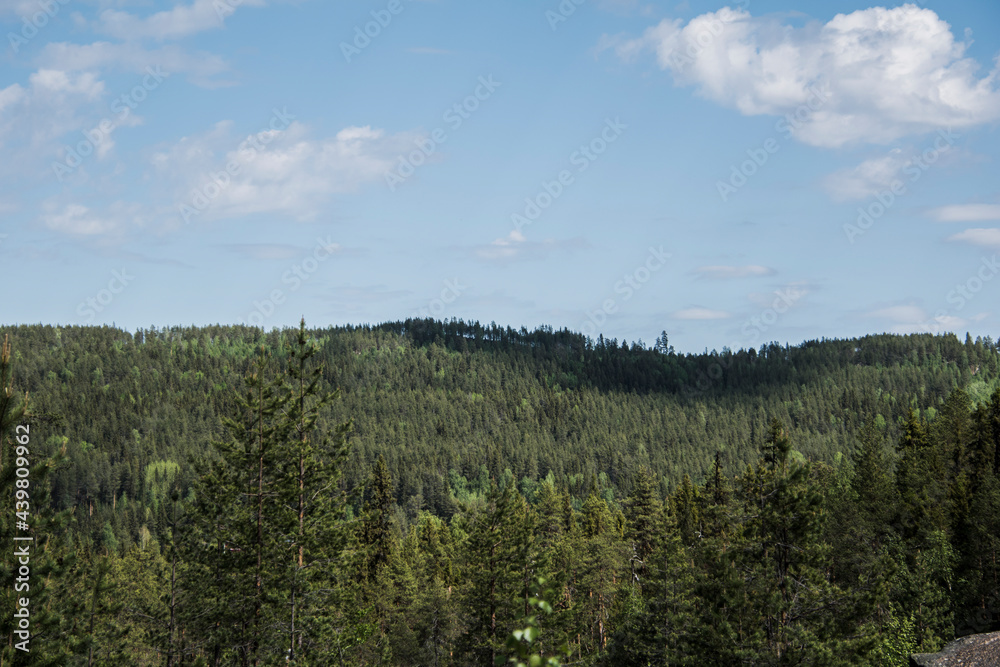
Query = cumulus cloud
x=283 y=170
x=130 y=54
x=180 y=21
x=726 y=272
x=967 y=213
x=34 y=117
x=701 y=314
x=878 y=74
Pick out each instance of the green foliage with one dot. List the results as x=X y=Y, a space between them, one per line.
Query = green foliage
x=527 y=636
x=898 y=642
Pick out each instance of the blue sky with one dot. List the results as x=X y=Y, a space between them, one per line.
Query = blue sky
x=732 y=174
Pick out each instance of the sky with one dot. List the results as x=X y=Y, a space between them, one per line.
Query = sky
x=730 y=174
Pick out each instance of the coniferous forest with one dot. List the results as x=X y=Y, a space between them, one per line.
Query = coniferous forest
x=451 y=493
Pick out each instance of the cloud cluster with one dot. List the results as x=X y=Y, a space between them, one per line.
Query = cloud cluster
x=912 y=319
x=33 y=117
x=282 y=171
x=180 y=21
x=987 y=237
x=79 y=220
x=887 y=73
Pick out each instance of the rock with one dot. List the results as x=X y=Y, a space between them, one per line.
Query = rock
x=972 y=651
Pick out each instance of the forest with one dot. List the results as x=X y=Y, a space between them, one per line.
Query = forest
x=428 y=492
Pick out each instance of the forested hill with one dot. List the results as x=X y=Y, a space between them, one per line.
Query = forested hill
x=451 y=405
x=197 y=496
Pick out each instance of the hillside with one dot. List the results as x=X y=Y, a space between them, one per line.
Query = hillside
x=441 y=400
x=201 y=498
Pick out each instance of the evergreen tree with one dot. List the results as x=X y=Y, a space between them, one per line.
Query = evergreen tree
x=237 y=528
x=645 y=519
x=313 y=460
x=497 y=553
x=804 y=618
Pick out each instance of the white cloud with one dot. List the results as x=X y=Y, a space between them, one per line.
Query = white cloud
x=290 y=173
x=867 y=179
x=967 y=213
x=34 y=118
x=130 y=55
x=181 y=21
x=989 y=238
x=515 y=246
x=78 y=220
x=503 y=248
x=909 y=319
x=701 y=314
x=882 y=73
x=56 y=82
x=202 y=68
x=725 y=272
